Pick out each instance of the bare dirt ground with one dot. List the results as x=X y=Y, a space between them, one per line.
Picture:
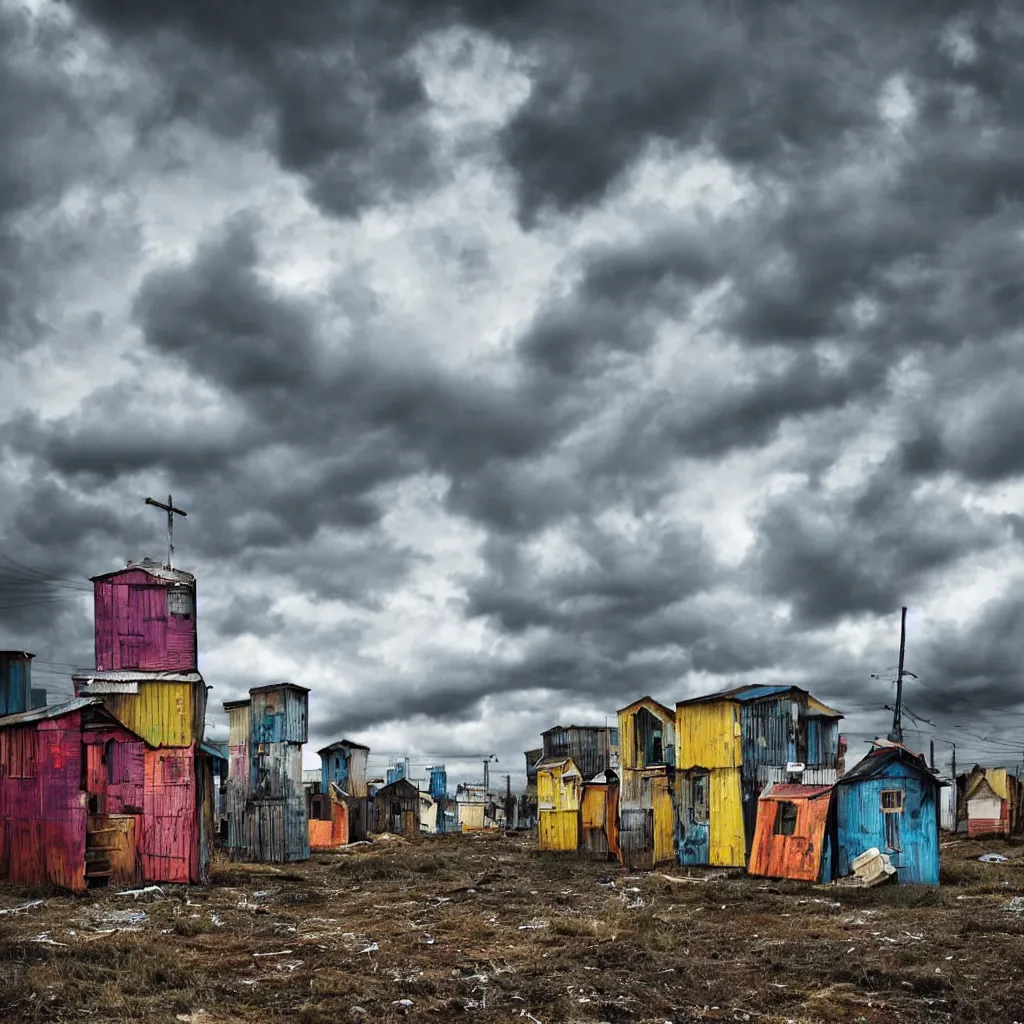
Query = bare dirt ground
x=484 y=928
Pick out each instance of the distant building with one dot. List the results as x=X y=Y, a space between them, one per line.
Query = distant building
x=343 y=795
x=991 y=802
x=397 y=809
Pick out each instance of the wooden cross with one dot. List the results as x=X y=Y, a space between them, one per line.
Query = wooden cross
x=171 y=511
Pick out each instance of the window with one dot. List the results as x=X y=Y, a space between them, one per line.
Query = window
x=179 y=602
x=21 y=754
x=785 y=818
x=108 y=758
x=892 y=801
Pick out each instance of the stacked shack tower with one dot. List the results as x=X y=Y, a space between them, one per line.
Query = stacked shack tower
x=266 y=803
x=147 y=676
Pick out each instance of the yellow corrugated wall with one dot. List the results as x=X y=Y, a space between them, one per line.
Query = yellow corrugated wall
x=558 y=830
x=726 y=844
x=708 y=735
x=161 y=713
x=595 y=806
x=239 y=726
x=664 y=820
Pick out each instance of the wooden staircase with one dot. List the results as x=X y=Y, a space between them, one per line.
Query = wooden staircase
x=98 y=869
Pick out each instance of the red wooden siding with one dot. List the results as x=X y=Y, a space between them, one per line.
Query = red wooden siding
x=169 y=843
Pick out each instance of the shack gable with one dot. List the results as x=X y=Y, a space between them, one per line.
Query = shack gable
x=647 y=734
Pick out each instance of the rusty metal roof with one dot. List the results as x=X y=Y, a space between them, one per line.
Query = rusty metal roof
x=881 y=758
x=794 y=791
x=50 y=711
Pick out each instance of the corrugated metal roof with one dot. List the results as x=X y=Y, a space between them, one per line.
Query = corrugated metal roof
x=879 y=759
x=278 y=686
x=794 y=791
x=343 y=743
x=151 y=566
x=16 y=654
x=752 y=691
x=51 y=711
x=123 y=675
x=213 y=751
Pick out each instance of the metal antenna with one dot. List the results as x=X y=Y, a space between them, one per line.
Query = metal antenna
x=171 y=511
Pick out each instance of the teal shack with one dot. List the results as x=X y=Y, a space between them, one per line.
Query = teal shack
x=889 y=801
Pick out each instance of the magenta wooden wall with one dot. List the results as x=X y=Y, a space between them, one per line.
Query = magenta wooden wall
x=135 y=629
x=43 y=809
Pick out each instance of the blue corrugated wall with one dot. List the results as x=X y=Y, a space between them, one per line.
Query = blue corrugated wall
x=334 y=768
x=860 y=824
x=15 y=683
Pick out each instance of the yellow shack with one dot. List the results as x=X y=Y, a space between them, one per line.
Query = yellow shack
x=647 y=751
x=559 y=795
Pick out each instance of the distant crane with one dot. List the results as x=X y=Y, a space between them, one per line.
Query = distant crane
x=486 y=772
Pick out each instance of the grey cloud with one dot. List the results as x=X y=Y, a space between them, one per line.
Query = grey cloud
x=864 y=550
x=346 y=104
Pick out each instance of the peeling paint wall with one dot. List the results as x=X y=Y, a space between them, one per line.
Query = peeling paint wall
x=267 y=818
x=70 y=802
x=559 y=795
x=145 y=619
x=803 y=854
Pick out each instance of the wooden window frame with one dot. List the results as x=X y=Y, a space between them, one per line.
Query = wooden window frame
x=892 y=808
x=786 y=813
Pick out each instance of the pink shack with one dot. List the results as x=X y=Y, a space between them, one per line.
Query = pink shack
x=71 y=797
x=147 y=677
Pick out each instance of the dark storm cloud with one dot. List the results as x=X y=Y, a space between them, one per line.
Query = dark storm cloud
x=346 y=104
x=47 y=147
x=863 y=550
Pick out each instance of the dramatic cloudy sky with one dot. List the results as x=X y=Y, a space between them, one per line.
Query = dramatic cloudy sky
x=511 y=366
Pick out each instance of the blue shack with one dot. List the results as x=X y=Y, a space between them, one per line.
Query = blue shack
x=16 y=682
x=889 y=800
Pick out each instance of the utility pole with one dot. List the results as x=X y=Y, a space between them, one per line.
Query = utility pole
x=897 y=713
x=955 y=796
x=931 y=752
x=171 y=512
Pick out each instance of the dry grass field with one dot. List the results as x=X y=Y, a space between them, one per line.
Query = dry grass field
x=484 y=929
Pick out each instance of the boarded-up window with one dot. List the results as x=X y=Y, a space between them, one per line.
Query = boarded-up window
x=179 y=602
x=892 y=801
x=21 y=754
x=174 y=771
x=785 y=818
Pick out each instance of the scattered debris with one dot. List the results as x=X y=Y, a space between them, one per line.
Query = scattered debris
x=149 y=890
x=281 y=952
x=24 y=906
x=43 y=938
x=535 y=925
x=372 y=948
x=1016 y=905
x=993 y=858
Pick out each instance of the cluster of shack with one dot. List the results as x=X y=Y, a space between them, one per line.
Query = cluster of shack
x=755 y=777
x=119 y=784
